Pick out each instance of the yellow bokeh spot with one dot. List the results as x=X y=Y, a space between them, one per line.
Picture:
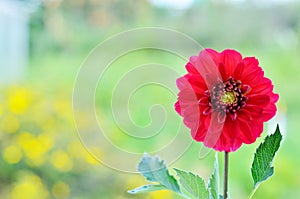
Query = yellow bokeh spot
x=64 y=108
x=10 y=124
x=12 y=154
x=61 y=190
x=161 y=194
x=35 y=148
x=61 y=161
x=29 y=187
x=93 y=155
x=1 y=109
x=48 y=124
x=134 y=181
x=75 y=149
x=91 y=159
x=18 y=100
x=46 y=140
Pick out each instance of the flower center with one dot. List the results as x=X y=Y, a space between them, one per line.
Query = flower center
x=228 y=97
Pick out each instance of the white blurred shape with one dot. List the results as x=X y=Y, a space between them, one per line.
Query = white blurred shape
x=280 y=119
x=13 y=39
x=177 y=4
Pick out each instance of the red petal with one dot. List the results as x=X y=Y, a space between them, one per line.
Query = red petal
x=258 y=100
x=182 y=83
x=187 y=95
x=250 y=63
x=207 y=66
x=230 y=59
x=222 y=71
x=210 y=80
x=263 y=86
x=190 y=114
x=191 y=69
x=177 y=108
x=256 y=111
x=274 y=97
x=215 y=56
x=250 y=131
x=269 y=112
x=203 y=101
x=238 y=71
x=200 y=133
x=253 y=76
x=244 y=115
x=229 y=140
x=251 y=70
x=207 y=111
x=214 y=131
x=197 y=82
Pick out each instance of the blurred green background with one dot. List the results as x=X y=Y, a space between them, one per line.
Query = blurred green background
x=43 y=44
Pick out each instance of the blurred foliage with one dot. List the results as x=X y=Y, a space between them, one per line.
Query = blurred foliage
x=41 y=155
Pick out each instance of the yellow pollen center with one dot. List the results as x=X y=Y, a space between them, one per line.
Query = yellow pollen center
x=228 y=97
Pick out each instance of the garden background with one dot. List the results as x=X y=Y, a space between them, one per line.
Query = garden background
x=43 y=44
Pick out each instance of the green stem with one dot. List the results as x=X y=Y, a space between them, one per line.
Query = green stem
x=253 y=192
x=226 y=160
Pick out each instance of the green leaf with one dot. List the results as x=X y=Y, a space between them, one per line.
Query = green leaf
x=155 y=170
x=213 y=183
x=147 y=188
x=262 y=167
x=194 y=184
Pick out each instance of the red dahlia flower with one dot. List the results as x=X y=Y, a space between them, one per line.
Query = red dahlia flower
x=224 y=99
